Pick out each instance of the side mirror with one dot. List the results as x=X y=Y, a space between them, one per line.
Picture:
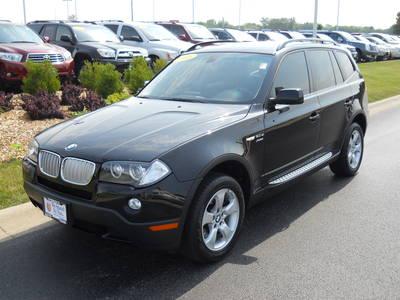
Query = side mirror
x=288 y=97
x=183 y=37
x=121 y=38
x=66 y=38
x=46 y=39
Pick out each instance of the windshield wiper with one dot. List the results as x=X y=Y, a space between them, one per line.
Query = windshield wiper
x=25 y=42
x=182 y=99
x=155 y=40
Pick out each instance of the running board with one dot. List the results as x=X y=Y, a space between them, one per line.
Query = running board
x=304 y=169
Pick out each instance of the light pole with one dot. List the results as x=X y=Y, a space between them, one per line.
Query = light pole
x=315 y=19
x=240 y=12
x=192 y=11
x=132 y=10
x=76 y=11
x=338 y=13
x=24 y=9
x=154 y=10
x=67 y=7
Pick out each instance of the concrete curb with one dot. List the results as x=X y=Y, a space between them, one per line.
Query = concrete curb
x=20 y=219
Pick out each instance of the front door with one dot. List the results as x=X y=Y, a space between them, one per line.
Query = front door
x=291 y=134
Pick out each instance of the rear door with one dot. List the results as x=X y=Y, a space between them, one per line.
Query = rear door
x=66 y=31
x=49 y=31
x=291 y=134
x=131 y=36
x=334 y=96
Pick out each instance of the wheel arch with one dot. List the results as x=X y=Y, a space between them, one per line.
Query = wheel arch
x=361 y=120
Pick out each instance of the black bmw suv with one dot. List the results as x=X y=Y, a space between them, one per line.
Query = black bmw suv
x=218 y=130
x=87 y=42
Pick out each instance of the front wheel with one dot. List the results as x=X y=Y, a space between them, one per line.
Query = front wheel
x=350 y=158
x=215 y=219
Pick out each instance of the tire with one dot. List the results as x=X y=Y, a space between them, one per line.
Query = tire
x=359 y=57
x=350 y=158
x=204 y=222
x=79 y=63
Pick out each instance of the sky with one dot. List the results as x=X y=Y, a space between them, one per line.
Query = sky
x=352 y=12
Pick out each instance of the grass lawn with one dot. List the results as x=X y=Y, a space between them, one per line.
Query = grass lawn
x=382 y=78
x=11 y=190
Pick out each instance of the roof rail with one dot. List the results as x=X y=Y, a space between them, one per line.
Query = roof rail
x=208 y=43
x=309 y=40
x=47 y=21
x=7 y=21
x=102 y=21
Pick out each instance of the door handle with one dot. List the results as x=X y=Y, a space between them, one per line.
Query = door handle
x=314 y=116
x=348 y=102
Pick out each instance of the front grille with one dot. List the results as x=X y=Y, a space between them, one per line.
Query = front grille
x=127 y=54
x=374 y=48
x=49 y=163
x=41 y=57
x=77 y=171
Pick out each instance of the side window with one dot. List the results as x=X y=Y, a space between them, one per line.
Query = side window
x=292 y=73
x=36 y=27
x=130 y=33
x=63 y=30
x=112 y=27
x=222 y=35
x=263 y=37
x=336 y=69
x=49 y=31
x=321 y=69
x=253 y=34
x=345 y=64
x=177 y=30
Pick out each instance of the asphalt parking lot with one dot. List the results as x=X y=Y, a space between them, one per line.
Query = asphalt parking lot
x=324 y=238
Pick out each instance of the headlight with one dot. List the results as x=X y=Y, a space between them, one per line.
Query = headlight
x=108 y=53
x=67 y=55
x=11 y=56
x=368 y=47
x=33 y=150
x=138 y=174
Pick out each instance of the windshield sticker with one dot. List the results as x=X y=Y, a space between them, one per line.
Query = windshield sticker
x=263 y=66
x=186 y=57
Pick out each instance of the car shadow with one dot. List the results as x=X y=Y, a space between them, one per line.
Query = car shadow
x=57 y=261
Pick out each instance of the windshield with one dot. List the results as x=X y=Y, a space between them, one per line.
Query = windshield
x=210 y=77
x=199 y=32
x=325 y=37
x=275 y=36
x=156 y=32
x=94 y=33
x=348 y=36
x=363 y=39
x=10 y=33
x=376 y=40
x=241 y=36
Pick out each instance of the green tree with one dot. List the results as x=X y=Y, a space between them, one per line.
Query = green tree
x=396 y=27
x=137 y=74
x=41 y=77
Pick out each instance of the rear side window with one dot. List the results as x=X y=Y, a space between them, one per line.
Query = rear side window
x=112 y=27
x=336 y=69
x=345 y=64
x=263 y=37
x=35 y=27
x=292 y=73
x=176 y=29
x=321 y=69
x=49 y=31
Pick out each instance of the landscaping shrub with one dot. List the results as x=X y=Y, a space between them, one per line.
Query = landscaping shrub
x=42 y=105
x=41 y=77
x=116 y=97
x=104 y=79
x=137 y=73
x=70 y=93
x=5 y=101
x=88 y=101
x=158 y=65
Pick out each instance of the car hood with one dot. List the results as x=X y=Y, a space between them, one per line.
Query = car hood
x=25 y=48
x=172 y=45
x=114 y=46
x=349 y=47
x=138 y=129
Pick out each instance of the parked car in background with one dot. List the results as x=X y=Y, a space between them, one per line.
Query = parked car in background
x=383 y=51
x=88 y=42
x=227 y=34
x=292 y=34
x=260 y=35
x=366 y=50
x=189 y=32
x=19 y=44
x=158 y=41
x=217 y=131
x=394 y=48
x=353 y=51
x=387 y=38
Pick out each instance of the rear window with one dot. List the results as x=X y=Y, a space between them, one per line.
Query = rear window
x=345 y=64
x=321 y=69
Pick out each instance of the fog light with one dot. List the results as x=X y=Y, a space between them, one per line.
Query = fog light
x=134 y=203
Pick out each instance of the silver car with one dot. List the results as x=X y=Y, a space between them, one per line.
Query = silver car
x=158 y=41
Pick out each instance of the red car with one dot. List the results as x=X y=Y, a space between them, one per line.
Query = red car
x=18 y=44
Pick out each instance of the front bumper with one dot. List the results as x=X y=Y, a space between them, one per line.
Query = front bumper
x=16 y=71
x=107 y=213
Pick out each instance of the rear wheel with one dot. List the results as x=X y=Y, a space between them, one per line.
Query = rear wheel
x=215 y=219
x=350 y=158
